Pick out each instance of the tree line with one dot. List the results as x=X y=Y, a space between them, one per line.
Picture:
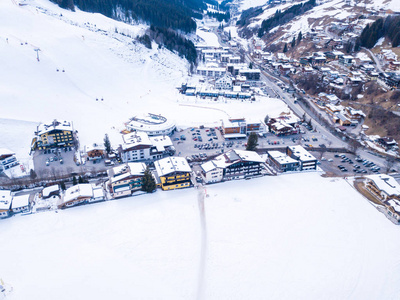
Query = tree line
x=388 y=27
x=281 y=18
x=176 y=14
x=172 y=41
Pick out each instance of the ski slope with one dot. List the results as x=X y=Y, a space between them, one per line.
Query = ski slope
x=318 y=239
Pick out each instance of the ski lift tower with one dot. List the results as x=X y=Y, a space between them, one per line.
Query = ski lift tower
x=37 y=53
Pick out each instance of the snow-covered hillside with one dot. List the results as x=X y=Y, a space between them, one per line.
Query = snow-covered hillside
x=84 y=57
x=332 y=9
x=318 y=239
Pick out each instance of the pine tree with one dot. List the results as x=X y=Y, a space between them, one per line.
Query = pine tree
x=107 y=144
x=229 y=36
x=32 y=174
x=148 y=183
x=252 y=142
x=266 y=119
x=80 y=180
x=250 y=65
x=299 y=38
x=285 y=48
x=74 y=181
x=293 y=44
x=62 y=185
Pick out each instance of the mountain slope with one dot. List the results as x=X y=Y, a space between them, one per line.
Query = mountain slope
x=81 y=58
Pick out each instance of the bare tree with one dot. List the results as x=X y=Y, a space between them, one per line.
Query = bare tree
x=354 y=145
x=389 y=163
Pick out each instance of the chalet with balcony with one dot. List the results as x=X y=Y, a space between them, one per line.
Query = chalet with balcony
x=95 y=152
x=173 y=173
x=125 y=179
x=7 y=159
x=77 y=194
x=56 y=134
x=236 y=164
x=138 y=146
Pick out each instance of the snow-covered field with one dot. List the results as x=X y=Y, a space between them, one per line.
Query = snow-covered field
x=318 y=239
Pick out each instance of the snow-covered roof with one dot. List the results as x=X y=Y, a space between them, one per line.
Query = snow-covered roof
x=123 y=171
x=171 y=164
x=95 y=147
x=98 y=192
x=249 y=155
x=5 y=152
x=233 y=156
x=150 y=123
x=20 y=201
x=209 y=166
x=281 y=158
x=302 y=154
x=334 y=108
x=5 y=199
x=161 y=142
x=77 y=191
x=386 y=184
x=135 y=139
x=54 y=125
x=48 y=190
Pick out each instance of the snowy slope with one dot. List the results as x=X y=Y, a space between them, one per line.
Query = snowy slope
x=99 y=63
x=335 y=9
x=317 y=240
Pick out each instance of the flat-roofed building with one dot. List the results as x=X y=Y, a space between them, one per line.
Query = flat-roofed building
x=306 y=159
x=283 y=162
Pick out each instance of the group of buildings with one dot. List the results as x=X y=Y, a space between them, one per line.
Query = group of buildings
x=386 y=190
x=169 y=173
x=230 y=77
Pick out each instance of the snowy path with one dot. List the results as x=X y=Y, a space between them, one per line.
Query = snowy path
x=203 y=244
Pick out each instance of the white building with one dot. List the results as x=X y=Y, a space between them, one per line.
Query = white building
x=138 y=146
x=98 y=194
x=234 y=164
x=125 y=179
x=212 y=172
x=77 y=194
x=7 y=159
x=5 y=203
x=224 y=83
x=211 y=72
x=20 y=204
x=152 y=124
x=307 y=161
x=49 y=191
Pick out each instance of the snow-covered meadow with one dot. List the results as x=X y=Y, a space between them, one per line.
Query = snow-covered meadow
x=297 y=236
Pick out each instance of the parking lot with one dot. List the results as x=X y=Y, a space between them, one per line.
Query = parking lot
x=58 y=162
x=346 y=164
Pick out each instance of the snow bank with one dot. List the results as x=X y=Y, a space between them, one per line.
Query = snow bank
x=264 y=241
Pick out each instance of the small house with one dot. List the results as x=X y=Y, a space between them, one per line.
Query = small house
x=20 y=204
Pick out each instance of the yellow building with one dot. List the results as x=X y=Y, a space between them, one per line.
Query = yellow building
x=54 y=134
x=174 y=173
